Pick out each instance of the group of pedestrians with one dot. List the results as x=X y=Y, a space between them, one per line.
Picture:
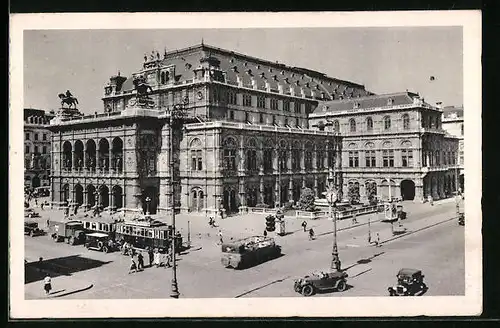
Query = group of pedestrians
x=154 y=260
x=310 y=231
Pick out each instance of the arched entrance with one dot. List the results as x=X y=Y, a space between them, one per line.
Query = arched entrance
x=67 y=150
x=104 y=196
x=91 y=196
x=461 y=182
x=79 y=194
x=230 y=201
x=407 y=189
x=251 y=196
x=117 y=197
x=151 y=194
x=268 y=195
x=65 y=193
x=197 y=200
x=35 y=182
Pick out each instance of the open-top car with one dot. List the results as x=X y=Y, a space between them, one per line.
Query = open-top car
x=101 y=242
x=30 y=213
x=320 y=281
x=410 y=283
x=31 y=228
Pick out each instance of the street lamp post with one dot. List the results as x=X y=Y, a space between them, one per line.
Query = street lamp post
x=175 y=117
x=331 y=197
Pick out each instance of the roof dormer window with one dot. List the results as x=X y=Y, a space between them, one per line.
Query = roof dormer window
x=275 y=77
x=282 y=72
x=270 y=69
x=262 y=75
x=258 y=66
x=297 y=82
x=390 y=101
x=245 y=64
x=235 y=69
x=249 y=72
x=307 y=84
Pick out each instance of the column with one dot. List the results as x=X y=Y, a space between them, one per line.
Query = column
x=97 y=158
x=315 y=186
x=275 y=160
x=277 y=190
x=73 y=160
x=302 y=159
x=314 y=159
x=111 y=205
x=290 y=190
x=261 y=190
x=289 y=158
x=85 y=199
x=242 y=160
x=84 y=157
x=110 y=157
x=325 y=159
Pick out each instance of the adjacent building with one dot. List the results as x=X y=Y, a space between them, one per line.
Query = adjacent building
x=36 y=148
x=453 y=124
x=393 y=145
x=253 y=133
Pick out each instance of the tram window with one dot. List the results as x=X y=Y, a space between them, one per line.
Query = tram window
x=143 y=232
x=105 y=227
x=150 y=233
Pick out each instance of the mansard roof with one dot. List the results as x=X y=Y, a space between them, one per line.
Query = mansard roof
x=247 y=69
x=374 y=101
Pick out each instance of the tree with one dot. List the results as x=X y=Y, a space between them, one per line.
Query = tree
x=306 y=201
x=353 y=193
x=371 y=192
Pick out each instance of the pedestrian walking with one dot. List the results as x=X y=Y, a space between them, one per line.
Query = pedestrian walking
x=36 y=202
x=354 y=220
x=311 y=234
x=47 y=284
x=48 y=223
x=304 y=225
x=41 y=205
x=151 y=256
x=220 y=237
x=156 y=258
x=140 y=262
x=430 y=200
x=377 y=242
x=265 y=233
x=133 y=265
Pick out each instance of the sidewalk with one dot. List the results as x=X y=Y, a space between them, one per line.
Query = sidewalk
x=61 y=286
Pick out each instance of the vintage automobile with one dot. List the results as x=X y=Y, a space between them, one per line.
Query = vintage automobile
x=72 y=232
x=100 y=242
x=249 y=251
x=319 y=281
x=31 y=229
x=461 y=219
x=30 y=213
x=410 y=283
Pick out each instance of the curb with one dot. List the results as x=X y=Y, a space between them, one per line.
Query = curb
x=415 y=231
x=73 y=291
x=349 y=227
x=261 y=286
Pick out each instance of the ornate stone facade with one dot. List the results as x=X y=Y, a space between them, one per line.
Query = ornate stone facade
x=36 y=148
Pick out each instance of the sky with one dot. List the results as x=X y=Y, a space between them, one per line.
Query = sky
x=384 y=60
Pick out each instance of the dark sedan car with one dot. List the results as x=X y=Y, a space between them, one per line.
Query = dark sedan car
x=319 y=281
x=410 y=283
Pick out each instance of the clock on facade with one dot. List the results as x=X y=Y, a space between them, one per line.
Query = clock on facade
x=200 y=95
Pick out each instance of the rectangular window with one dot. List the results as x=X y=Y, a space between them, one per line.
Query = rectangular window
x=268 y=160
x=297 y=122
x=247 y=100
x=407 y=158
x=230 y=159
x=44 y=138
x=200 y=160
x=231 y=97
x=353 y=159
x=296 y=107
x=274 y=104
x=370 y=158
x=308 y=160
x=388 y=158
x=44 y=150
x=286 y=105
x=261 y=118
x=36 y=149
x=295 y=159
x=27 y=136
x=261 y=102
x=36 y=136
x=308 y=108
x=27 y=149
x=274 y=120
x=231 y=114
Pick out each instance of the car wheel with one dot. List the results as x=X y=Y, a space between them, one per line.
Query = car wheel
x=307 y=290
x=31 y=234
x=71 y=240
x=105 y=249
x=341 y=286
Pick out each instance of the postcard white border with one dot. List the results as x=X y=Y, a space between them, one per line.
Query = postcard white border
x=470 y=304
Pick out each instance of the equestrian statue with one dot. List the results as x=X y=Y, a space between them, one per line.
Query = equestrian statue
x=68 y=99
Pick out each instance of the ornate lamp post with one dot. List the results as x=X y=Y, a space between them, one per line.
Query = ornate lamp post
x=175 y=118
x=148 y=200
x=331 y=197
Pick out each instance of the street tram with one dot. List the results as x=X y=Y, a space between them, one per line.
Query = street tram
x=145 y=232
x=100 y=224
x=249 y=251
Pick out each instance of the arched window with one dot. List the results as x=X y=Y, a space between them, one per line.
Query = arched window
x=370 y=159
x=387 y=123
x=336 y=126
x=352 y=125
x=369 y=124
x=251 y=159
x=406 y=121
x=230 y=154
x=196 y=155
